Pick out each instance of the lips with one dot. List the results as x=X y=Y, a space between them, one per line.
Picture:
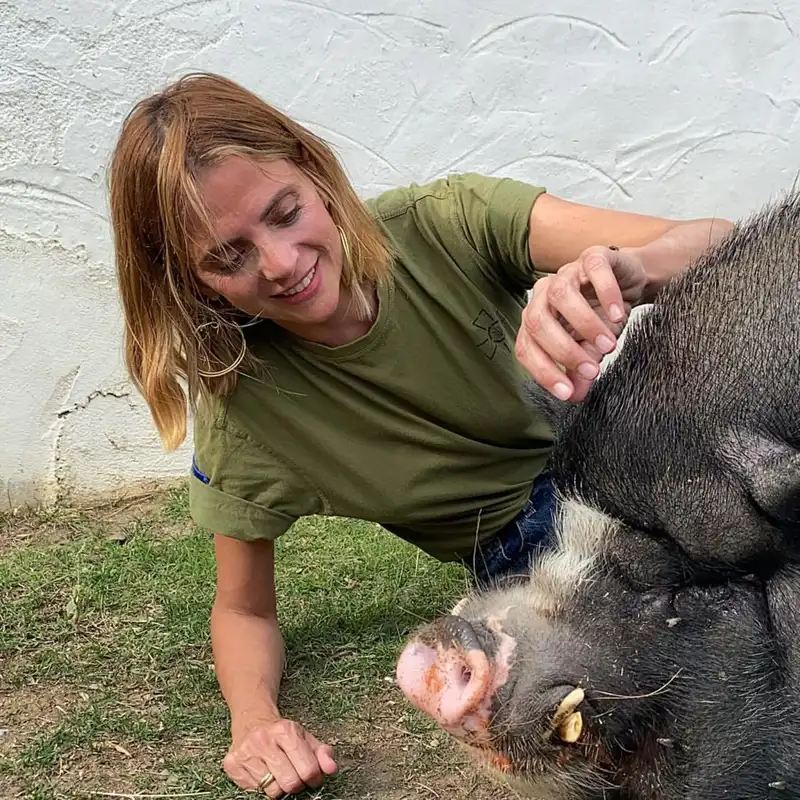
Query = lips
x=303 y=283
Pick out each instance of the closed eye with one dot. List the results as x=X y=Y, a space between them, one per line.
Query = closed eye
x=284 y=219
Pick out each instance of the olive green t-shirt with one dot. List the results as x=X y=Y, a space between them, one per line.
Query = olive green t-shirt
x=419 y=425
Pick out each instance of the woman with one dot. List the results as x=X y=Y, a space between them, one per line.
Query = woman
x=354 y=358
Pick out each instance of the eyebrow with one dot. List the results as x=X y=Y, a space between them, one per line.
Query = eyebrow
x=219 y=249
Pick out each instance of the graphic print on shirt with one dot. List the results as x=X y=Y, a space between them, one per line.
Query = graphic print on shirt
x=492 y=337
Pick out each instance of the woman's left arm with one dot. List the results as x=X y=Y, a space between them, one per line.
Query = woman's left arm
x=596 y=264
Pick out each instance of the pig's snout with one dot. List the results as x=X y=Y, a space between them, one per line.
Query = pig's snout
x=445 y=673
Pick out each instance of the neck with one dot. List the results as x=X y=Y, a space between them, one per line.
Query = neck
x=344 y=326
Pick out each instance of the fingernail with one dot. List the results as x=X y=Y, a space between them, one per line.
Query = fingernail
x=562 y=390
x=604 y=344
x=616 y=313
x=587 y=370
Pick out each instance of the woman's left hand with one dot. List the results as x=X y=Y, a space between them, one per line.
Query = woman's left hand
x=574 y=316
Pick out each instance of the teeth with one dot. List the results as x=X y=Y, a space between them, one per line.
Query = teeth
x=302 y=285
x=569 y=704
x=570 y=729
x=567 y=720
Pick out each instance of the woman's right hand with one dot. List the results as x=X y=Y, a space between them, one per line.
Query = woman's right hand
x=295 y=758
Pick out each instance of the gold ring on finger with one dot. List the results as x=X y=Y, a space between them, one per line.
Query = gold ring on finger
x=265 y=781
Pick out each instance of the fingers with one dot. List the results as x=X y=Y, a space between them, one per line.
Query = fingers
x=324 y=754
x=563 y=296
x=301 y=749
x=599 y=268
x=572 y=318
x=252 y=761
x=543 y=342
x=271 y=758
x=580 y=384
x=542 y=368
x=295 y=759
x=618 y=279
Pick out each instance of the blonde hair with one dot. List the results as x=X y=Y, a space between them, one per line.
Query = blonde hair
x=156 y=208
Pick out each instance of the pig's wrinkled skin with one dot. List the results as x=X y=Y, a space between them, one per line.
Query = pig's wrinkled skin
x=654 y=651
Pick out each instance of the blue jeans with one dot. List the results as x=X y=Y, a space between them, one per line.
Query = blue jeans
x=508 y=555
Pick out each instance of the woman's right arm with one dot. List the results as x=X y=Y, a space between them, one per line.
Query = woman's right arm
x=249 y=658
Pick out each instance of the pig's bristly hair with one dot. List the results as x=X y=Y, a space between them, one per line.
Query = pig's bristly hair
x=582 y=534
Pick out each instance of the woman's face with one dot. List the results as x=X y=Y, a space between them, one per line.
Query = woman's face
x=280 y=255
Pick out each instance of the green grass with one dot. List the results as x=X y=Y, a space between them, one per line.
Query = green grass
x=111 y=618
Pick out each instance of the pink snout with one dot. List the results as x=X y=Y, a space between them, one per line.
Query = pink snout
x=452 y=683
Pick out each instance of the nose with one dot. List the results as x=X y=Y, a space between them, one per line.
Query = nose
x=445 y=673
x=277 y=257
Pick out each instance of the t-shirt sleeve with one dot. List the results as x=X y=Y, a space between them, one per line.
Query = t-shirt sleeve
x=237 y=488
x=494 y=216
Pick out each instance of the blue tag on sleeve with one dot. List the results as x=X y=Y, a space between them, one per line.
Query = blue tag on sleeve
x=196 y=472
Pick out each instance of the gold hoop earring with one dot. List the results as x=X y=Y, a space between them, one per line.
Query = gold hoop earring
x=345 y=245
x=238 y=360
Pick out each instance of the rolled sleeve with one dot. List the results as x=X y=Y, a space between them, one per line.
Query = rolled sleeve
x=233 y=516
x=240 y=488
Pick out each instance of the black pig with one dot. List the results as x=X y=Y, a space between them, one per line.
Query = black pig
x=654 y=650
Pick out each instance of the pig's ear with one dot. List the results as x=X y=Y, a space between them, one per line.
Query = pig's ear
x=775 y=486
x=556 y=412
x=771 y=471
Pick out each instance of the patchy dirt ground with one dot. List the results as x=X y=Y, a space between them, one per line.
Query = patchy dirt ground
x=28 y=710
x=116 y=515
x=63 y=737
x=379 y=760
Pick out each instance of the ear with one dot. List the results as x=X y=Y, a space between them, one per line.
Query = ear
x=557 y=412
x=774 y=484
x=770 y=469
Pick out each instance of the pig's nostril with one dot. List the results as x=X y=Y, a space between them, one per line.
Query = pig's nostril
x=445 y=672
x=463 y=676
x=465 y=683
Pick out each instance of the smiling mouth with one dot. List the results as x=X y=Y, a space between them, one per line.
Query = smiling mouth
x=300 y=285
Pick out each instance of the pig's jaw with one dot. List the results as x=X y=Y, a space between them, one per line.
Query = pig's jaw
x=467 y=690
x=467 y=687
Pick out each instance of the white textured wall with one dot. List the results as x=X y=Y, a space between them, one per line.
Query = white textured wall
x=690 y=109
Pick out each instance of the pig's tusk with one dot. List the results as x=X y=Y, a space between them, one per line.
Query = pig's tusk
x=566 y=719
x=570 y=729
x=568 y=704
